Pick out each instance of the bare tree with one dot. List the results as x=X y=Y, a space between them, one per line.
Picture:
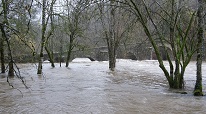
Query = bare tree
x=74 y=19
x=115 y=25
x=44 y=36
x=179 y=36
x=73 y=16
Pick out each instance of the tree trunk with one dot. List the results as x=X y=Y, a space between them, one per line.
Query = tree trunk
x=39 y=71
x=11 y=61
x=198 y=85
x=41 y=59
x=50 y=55
x=11 y=67
x=112 y=59
x=111 y=43
x=4 y=36
x=60 y=58
x=3 y=69
x=68 y=56
x=177 y=84
x=71 y=45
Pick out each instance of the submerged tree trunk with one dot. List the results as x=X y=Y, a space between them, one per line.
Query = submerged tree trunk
x=3 y=69
x=109 y=33
x=11 y=61
x=41 y=59
x=39 y=70
x=4 y=36
x=68 y=56
x=71 y=45
x=11 y=69
x=198 y=85
x=111 y=40
x=177 y=81
x=60 y=57
x=50 y=55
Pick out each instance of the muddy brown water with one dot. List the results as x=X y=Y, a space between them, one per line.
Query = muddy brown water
x=136 y=87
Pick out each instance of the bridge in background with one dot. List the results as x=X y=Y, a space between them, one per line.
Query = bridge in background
x=133 y=51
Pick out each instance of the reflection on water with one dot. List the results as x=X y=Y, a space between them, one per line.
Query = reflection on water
x=136 y=87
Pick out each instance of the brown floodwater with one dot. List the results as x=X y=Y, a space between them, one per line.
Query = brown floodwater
x=135 y=87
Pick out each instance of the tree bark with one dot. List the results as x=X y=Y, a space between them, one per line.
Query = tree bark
x=60 y=58
x=178 y=82
x=200 y=35
x=4 y=36
x=11 y=61
x=50 y=55
x=71 y=45
x=111 y=42
x=3 y=68
x=39 y=71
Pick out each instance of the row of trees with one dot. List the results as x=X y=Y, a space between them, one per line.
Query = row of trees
x=175 y=25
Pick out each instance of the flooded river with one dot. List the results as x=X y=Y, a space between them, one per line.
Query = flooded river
x=136 y=87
